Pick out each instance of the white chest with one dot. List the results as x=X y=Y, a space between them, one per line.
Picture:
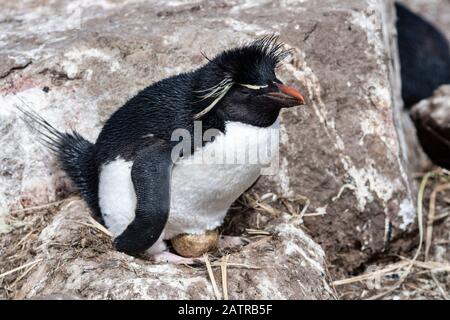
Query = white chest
x=206 y=184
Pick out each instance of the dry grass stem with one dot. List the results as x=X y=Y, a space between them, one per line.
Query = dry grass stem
x=431 y=216
x=254 y=232
x=95 y=225
x=40 y=207
x=211 y=277
x=223 y=268
x=19 y=268
x=341 y=190
x=372 y=275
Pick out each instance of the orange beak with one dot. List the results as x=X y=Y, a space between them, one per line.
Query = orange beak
x=291 y=92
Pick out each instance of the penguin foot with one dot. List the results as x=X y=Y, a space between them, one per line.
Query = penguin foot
x=169 y=257
x=226 y=242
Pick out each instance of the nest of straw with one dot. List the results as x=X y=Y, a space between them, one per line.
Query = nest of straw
x=21 y=246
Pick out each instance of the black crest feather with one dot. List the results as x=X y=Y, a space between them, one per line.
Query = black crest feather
x=252 y=63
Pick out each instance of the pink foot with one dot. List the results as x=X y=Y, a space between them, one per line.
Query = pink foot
x=231 y=242
x=169 y=257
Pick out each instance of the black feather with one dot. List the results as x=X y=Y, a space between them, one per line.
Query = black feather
x=75 y=154
x=252 y=63
x=172 y=103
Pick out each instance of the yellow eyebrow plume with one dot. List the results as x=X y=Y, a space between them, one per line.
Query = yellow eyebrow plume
x=253 y=86
x=219 y=91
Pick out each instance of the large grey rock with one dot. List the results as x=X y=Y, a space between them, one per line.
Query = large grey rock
x=350 y=141
x=94 y=55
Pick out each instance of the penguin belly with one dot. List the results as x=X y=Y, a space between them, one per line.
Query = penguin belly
x=203 y=185
x=206 y=184
x=202 y=194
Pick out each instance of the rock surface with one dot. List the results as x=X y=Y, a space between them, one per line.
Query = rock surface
x=75 y=62
x=288 y=265
x=346 y=153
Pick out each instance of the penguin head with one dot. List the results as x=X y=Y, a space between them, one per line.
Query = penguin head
x=240 y=84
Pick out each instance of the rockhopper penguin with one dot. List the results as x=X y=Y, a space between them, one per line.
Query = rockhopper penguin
x=424 y=56
x=139 y=185
x=425 y=65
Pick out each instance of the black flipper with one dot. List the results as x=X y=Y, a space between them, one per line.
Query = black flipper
x=151 y=173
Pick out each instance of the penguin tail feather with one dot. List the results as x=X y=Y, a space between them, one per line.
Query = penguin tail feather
x=75 y=154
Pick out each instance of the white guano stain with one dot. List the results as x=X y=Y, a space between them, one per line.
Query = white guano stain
x=293 y=236
x=408 y=213
x=269 y=289
x=369 y=181
x=368 y=21
x=243 y=27
x=76 y=56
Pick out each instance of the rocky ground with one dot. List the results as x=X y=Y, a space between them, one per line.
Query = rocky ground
x=341 y=205
x=388 y=275
x=64 y=251
x=410 y=271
